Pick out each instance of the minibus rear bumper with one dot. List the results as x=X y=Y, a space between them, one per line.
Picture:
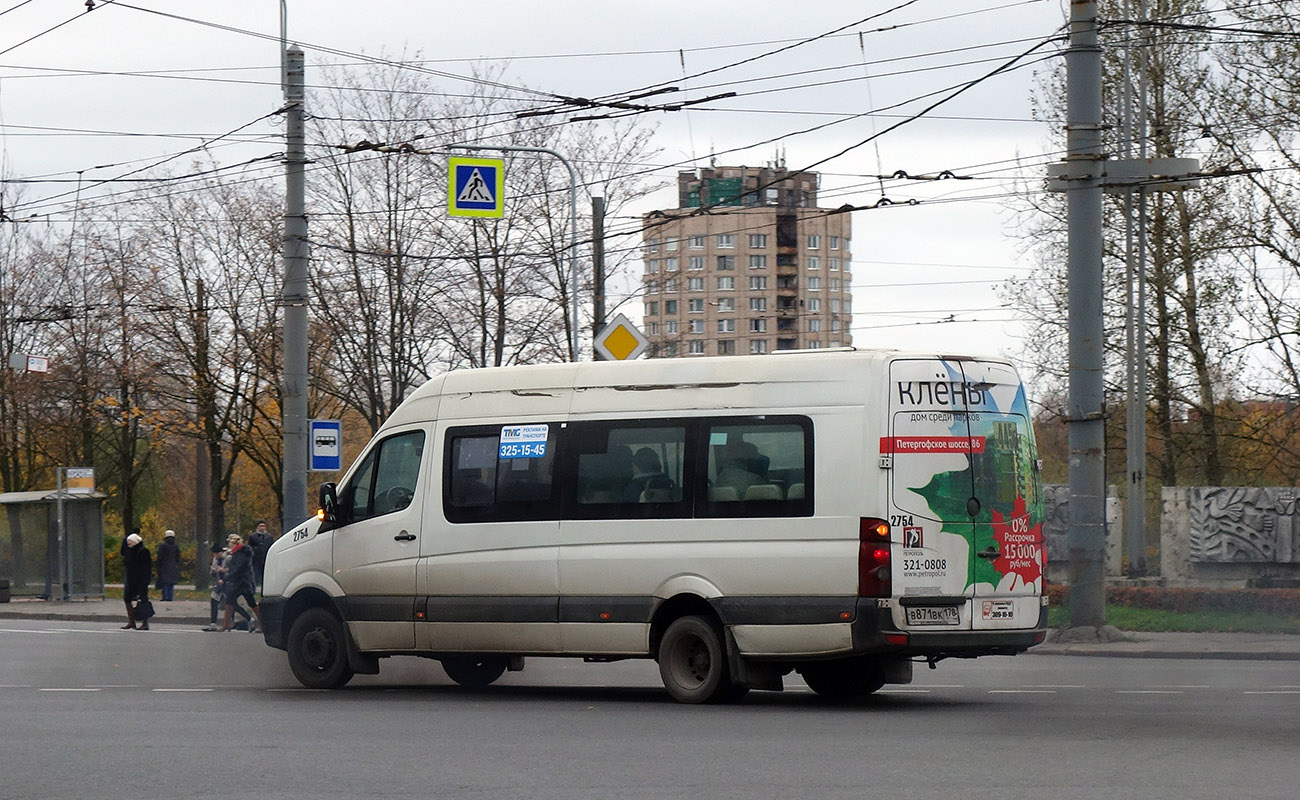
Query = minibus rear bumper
x=874 y=633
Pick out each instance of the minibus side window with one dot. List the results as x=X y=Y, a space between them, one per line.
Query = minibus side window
x=628 y=469
x=385 y=480
x=759 y=468
x=486 y=480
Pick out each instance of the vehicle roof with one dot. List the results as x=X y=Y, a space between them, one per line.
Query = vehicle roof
x=774 y=381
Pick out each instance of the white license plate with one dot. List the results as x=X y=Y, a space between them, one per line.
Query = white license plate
x=941 y=616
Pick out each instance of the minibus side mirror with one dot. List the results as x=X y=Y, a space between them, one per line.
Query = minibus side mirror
x=328 y=513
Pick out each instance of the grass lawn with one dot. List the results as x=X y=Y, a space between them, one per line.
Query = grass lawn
x=1150 y=619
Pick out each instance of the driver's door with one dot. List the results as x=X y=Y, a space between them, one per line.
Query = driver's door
x=378 y=545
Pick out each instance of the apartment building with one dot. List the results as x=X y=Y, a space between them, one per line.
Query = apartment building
x=747 y=263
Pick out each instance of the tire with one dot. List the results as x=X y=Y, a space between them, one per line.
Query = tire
x=693 y=663
x=847 y=679
x=318 y=650
x=474 y=672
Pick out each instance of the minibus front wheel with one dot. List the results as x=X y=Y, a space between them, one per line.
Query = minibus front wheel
x=318 y=650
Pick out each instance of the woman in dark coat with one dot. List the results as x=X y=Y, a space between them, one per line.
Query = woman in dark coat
x=137 y=569
x=240 y=583
x=169 y=565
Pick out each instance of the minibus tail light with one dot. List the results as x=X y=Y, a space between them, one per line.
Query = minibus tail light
x=873 y=558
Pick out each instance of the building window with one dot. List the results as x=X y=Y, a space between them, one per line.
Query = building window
x=848 y=306
x=758 y=325
x=726 y=262
x=652 y=245
x=670 y=349
x=835 y=306
x=834 y=343
x=696 y=326
x=726 y=326
x=695 y=305
x=834 y=265
x=726 y=304
x=726 y=240
x=670 y=244
x=670 y=307
x=670 y=285
x=697 y=346
x=835 y=242
x=814 y=304
x=652 y=309
x=814 y=345
x=758 y=304
x=814 y=326
x=757 y=241
x=726 y=348
x=670 y=265
x=814 y=241
x=697 y=243
x=652 y=265
x=653 y=328
x=814 y=263
x=696 y=262
x=814 y=284
x=758 y=262
x=758 y=345
x=670 y=326
x=726 y=284
x=695 y=284
x=835 y=326
x=757 y=283
x=835 y=284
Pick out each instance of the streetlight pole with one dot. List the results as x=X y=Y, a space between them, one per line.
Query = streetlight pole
x=573 y=225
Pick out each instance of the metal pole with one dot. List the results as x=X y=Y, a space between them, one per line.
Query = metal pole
x=597 y=270
x=61 y=556
x=1135 y=440
x=573 y=225
x=1087 y=532
x=1138 y=489
x=294 y=299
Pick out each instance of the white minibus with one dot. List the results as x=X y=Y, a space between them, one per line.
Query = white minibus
x=840 y=514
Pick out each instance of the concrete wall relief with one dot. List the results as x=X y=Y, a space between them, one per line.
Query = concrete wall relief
x=1242 y=525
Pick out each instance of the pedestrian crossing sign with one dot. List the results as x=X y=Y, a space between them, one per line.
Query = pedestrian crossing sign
x=475 y=187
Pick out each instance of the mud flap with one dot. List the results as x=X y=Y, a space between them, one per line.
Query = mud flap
x=763 y=675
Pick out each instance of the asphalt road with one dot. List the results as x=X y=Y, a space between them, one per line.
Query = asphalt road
x=87 y=710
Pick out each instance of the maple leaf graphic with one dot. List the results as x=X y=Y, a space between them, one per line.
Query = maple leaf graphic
x=1020 y=544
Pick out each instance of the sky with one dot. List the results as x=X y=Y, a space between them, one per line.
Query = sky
x=92 y=94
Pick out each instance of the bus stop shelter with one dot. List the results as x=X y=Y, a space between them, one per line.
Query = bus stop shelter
x=52 y=544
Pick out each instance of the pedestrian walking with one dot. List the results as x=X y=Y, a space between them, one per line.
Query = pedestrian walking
x=239 y=583
x=260 y=541
x=169 y=566
x=216 y=598
x=137 y=569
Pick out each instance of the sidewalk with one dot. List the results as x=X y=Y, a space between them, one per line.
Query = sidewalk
x=1238 y=646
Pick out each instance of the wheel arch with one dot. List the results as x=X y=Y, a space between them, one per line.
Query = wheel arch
x=674 y=608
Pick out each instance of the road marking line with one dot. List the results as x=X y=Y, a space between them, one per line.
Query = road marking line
x=1187 y=686
x=298 y=690
x=1022 y=691
x=1272 y=691
x=1149 y=691
x=182 y=690
x=902 y=691
x=1057 y=686
x=23 y=630
x=69 y=690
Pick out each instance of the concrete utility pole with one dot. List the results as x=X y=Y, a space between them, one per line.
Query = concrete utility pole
x=1086 y=412
x=294 y=299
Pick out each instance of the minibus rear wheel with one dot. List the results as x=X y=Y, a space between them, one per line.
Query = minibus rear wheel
x=318 y=650
x=474 y=672
x=693 y=663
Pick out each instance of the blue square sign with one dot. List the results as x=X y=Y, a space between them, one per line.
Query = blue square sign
x=325 y=440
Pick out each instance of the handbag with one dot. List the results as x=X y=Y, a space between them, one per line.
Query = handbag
x=143 y=609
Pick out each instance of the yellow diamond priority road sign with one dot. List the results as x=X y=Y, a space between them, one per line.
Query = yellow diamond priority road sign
x=620 y=340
